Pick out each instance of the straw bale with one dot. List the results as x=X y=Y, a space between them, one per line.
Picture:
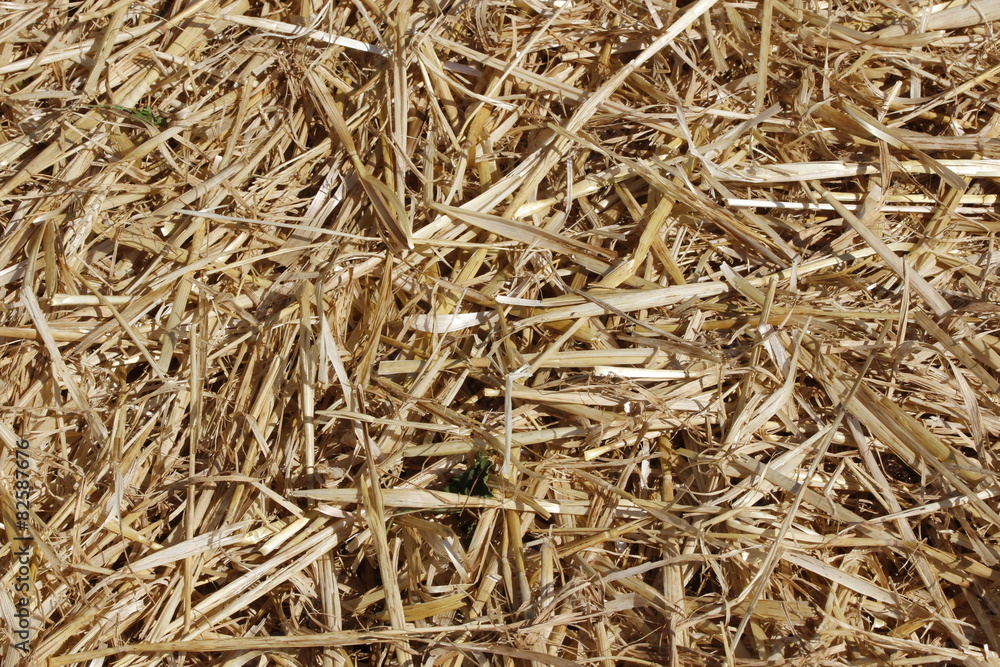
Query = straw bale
x=705 y=294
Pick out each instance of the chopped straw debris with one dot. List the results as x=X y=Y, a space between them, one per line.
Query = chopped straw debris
x=522 y=332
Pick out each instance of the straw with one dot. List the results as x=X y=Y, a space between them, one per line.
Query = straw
x=533 y=332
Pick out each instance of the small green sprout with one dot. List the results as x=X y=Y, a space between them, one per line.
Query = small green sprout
x=145 y=114
x=472 y=482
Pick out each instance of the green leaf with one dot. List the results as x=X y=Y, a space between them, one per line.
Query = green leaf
x=145 y=114
x=472 y=482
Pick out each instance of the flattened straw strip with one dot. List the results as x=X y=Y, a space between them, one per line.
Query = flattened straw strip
x=954 y=17
x=291 y=31
x=521 y=439
x=333 y=415
x=60 y=300
x=196 y=379
x=764 y=54
x=312 y=640
x=523 y=232
x=308 y=361
x=853 y=582
x=593 y=398
x=810 y=206
x=812 y=171
x=424 y=499
x=272 y=223
x=521 y=373
x=931 y=508
x=774 y=174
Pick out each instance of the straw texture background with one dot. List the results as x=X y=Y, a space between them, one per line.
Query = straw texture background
x=710 y=288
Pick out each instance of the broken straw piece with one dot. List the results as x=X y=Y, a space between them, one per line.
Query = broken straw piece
x=448 y=323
